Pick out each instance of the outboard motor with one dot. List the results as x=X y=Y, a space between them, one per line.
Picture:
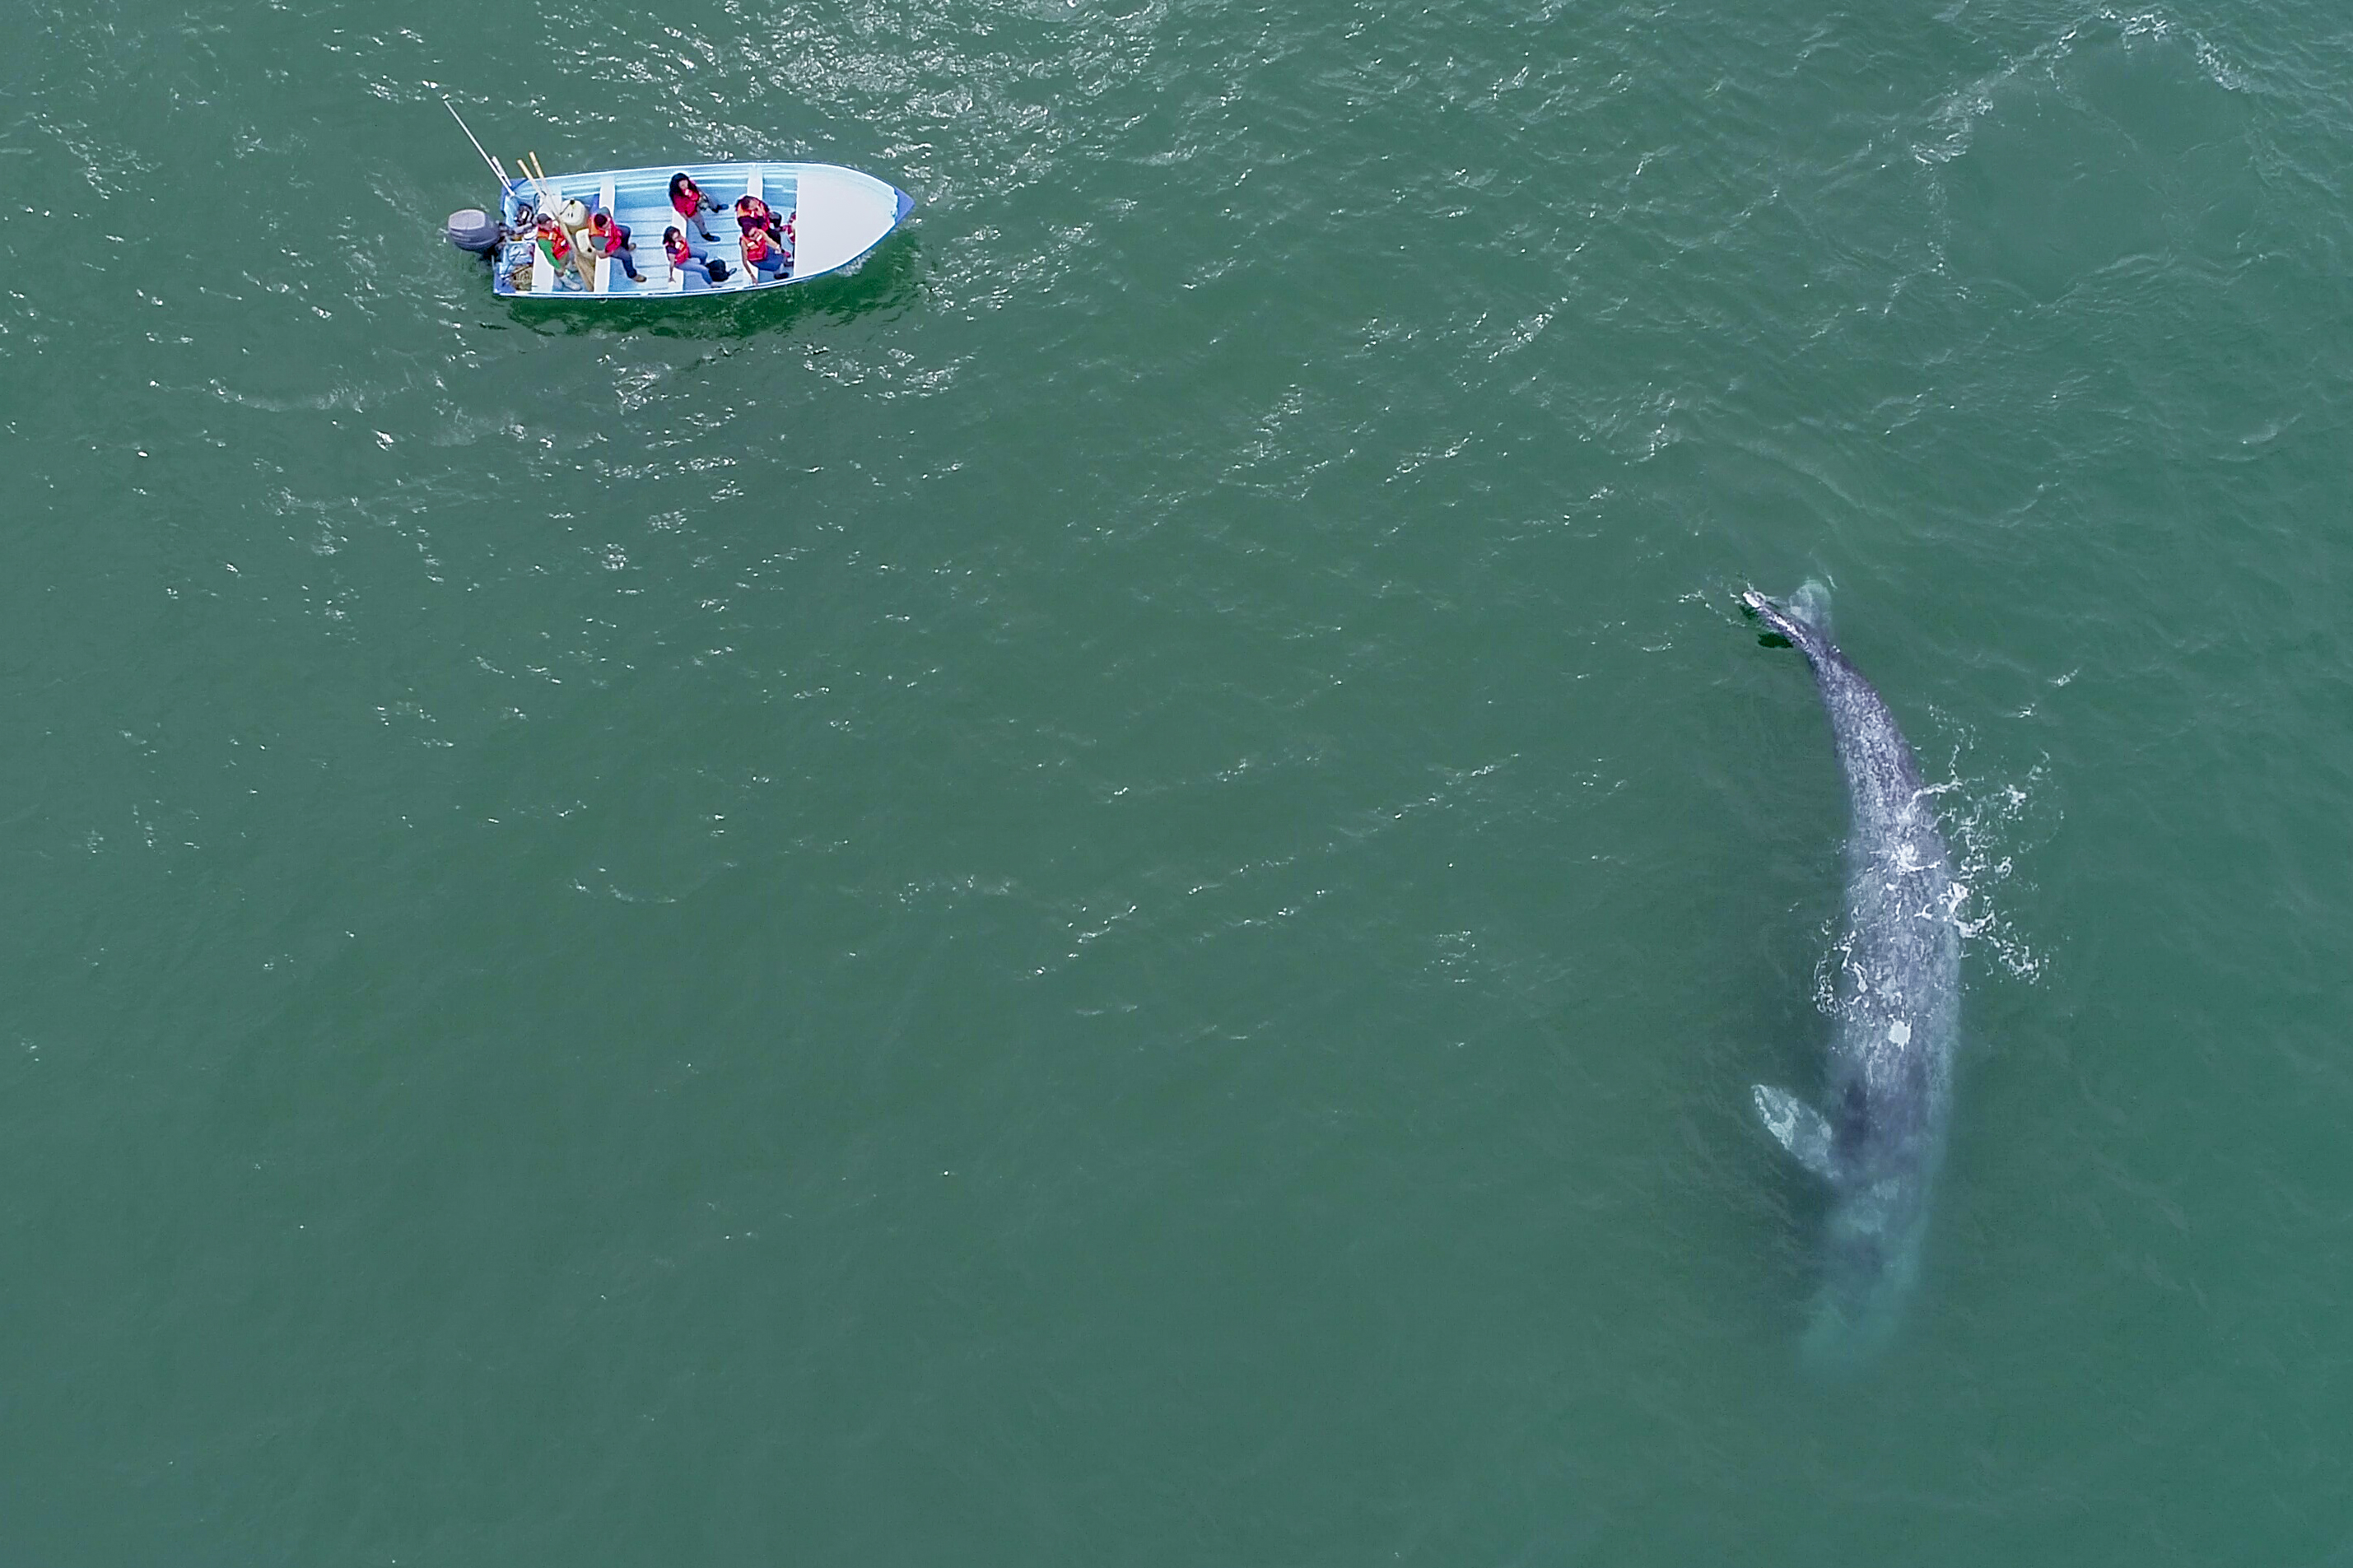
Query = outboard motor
x=471 y=228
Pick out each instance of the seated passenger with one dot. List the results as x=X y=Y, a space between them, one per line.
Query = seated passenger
x=683 y=259
x=610 y=239
x=556 y=245
x=751 y=211
x=765 y=254
x=687 y=200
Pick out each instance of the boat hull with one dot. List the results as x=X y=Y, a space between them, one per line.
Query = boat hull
x=838 y=215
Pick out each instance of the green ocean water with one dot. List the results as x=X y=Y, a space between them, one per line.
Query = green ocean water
x=1107 y=894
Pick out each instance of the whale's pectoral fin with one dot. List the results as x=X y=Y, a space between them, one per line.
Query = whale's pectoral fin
x=1798 y=1127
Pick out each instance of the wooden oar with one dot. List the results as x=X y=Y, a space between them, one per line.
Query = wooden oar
x=538 y=185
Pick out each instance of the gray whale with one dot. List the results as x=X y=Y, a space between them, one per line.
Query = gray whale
x=1894 y=1008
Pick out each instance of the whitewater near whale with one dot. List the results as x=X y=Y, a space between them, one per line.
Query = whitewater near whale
x=1894 y=1003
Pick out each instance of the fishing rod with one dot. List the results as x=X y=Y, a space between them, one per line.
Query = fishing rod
x=496 y=168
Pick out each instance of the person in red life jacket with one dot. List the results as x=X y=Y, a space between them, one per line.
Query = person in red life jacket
x=765 y=254
x=683 y=259
x=610 y=239
x=751 y=211
x=556 y=245
x=687 y=200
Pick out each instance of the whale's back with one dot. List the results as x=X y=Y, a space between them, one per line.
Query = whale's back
x=1894 y=997
x=1883 y=776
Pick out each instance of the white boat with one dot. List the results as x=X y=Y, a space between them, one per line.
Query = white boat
x=838 y=215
